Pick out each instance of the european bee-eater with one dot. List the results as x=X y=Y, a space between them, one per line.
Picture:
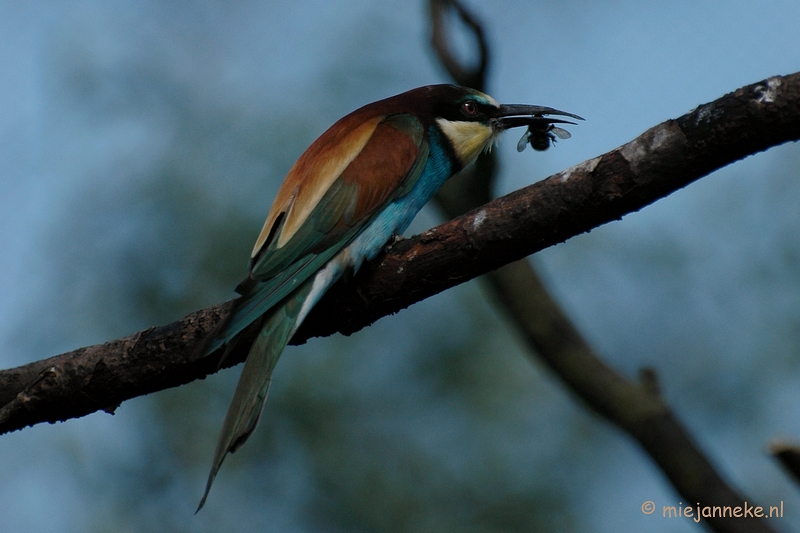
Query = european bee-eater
x=357 y=185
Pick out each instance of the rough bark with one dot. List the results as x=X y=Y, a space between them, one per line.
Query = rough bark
x=636 y=408
x=663 y=159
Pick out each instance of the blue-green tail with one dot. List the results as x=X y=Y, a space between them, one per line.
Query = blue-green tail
x=277 y=326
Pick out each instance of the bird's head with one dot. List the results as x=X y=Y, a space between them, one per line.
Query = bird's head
x=472 y=121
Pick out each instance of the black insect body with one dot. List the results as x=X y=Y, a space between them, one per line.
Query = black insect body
x=541 y=134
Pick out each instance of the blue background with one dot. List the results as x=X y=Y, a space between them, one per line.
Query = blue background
x=140 y=146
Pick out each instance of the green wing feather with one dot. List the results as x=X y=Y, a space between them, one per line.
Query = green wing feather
x=282 y=278
x=251 y=391
x=284 y=269
x=331 y=226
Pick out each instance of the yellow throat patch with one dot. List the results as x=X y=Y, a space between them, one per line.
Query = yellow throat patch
x=468 y=138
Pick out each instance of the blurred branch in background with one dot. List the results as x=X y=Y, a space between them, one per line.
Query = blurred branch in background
x=636 y=408
x=474 y=77
x=662 y=160
x=788 y=455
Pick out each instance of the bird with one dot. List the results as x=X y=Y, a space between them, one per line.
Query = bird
x=354 y=188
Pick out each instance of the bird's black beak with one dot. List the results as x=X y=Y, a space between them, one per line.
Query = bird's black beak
x=515 y=115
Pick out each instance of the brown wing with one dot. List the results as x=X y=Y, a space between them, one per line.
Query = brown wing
x=313 y=174
x=336 y=187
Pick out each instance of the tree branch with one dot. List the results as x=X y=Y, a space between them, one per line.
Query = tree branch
x=636 y=408
x=663 y=159
x=474 y=77
x=788 y=455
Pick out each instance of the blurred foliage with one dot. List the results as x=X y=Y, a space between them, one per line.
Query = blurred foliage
x=431 y=420
x=166 y=243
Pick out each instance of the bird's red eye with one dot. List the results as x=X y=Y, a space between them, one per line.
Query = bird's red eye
x=469 y=108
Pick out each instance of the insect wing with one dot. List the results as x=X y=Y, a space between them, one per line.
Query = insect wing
x=523 y=142
x=560 y=133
